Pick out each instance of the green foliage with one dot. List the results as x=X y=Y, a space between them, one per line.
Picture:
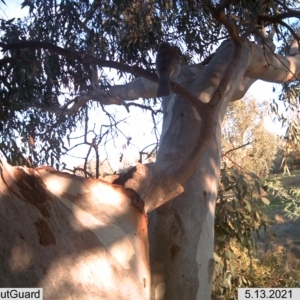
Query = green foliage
x=239 y=214
x=288 y=196
x=240 y=211
x=125 y=31
x=241 y=218
x=38 y=133
x=292 y=208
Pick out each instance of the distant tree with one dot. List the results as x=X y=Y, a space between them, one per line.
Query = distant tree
x=246 y=143
x=288 y=156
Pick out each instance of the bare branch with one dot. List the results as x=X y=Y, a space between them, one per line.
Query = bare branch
x=144 y=107
x=279 y=17
x=234 y=149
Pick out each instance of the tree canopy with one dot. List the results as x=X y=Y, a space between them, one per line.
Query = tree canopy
x=55 y=59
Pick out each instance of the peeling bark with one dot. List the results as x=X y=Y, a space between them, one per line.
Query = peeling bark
x=77 y=238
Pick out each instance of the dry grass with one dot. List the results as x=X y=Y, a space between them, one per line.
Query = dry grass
x=278 y=267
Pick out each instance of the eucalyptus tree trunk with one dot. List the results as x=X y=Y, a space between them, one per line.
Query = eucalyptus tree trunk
x=182 y=231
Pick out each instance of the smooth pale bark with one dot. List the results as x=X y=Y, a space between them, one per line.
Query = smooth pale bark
x=277 y=68
x=181 y=233
x=77 y=238
x=264 y=65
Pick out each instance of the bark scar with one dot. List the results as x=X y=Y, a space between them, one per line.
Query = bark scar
x=45 y=234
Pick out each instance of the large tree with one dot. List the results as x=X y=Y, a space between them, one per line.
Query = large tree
x=54 y=68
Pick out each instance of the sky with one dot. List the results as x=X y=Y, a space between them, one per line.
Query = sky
x=138 y=125
x=263 y=91
x=12 y=9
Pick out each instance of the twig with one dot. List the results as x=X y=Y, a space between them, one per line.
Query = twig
x=233 y=149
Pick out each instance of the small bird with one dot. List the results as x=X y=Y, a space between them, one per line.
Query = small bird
x=167 y=66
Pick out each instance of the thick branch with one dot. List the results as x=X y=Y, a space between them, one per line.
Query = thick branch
x=82 y=57
x=219 y=15
x=89 y=59
x=154 y=185
x=226 y=84
x=276 y=18
x=267 y=66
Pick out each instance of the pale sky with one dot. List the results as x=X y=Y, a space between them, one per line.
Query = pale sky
x=12 y=9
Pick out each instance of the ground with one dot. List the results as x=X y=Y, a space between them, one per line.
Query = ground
x=287 y=231
x=286 y=244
